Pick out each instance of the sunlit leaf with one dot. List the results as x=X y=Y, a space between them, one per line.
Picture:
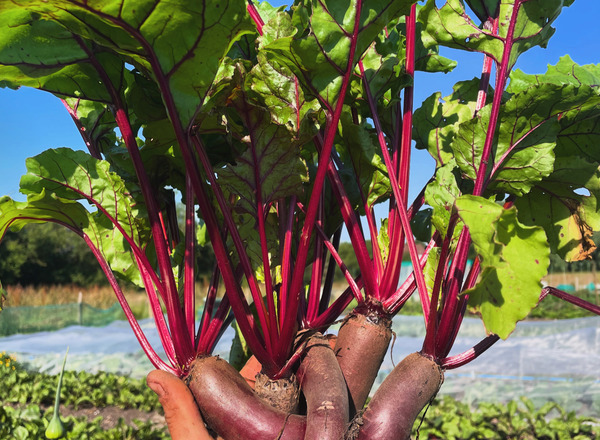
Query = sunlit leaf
x=514 y=258
x=451 y=26
x=317 y=46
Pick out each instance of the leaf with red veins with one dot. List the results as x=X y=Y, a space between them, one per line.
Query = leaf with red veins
x=270 y=168
x=436 y=122
x=148 y=34
x=320 y=36
x=525 y=137
x=451 y=26
x=40 y=53
x=118 y=222
x=278 y=89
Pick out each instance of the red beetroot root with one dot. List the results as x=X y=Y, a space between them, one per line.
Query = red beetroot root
x=362 y=343
x=392 y=411
x=325 y=391
x=232 y=410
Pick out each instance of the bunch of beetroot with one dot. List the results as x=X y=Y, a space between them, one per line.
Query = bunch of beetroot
x=284 y=130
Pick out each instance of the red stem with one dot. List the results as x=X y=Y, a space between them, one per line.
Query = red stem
x=335 y=309
x=570 y=298
x=400 y=206
x=324 y=158
x=182 y=343
x=486 y=71
x=501 y=79
x=181 y=340
x=237 y=298
x=189 y=281
x=255 y=16
x=82 y=131
x=316 y=272
x=271 y=329
x=135 y=326
x=331 y=248
x=158 y=315
x=215 y=328
x=464 y=358
x=450 y=299
x=395 y=302
x=244 y=316
x=287 y=262
x=405 y=147
x=392 y=271
x=331 y=266
x=352 y=222
x=432 y=322
x=452 y=310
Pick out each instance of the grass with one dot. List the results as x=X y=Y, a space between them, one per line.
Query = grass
x=101 y=297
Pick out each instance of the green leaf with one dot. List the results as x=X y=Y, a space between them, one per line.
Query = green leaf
x=514 y=259
x=67 y=176
x=569 y=217
x=270 y=168
x=383 y=240
x=566 y=71
x=451 y=26
x=75 y=175
x=278 y=89
x=431 y=268
x=317 y=44
x=149 y=36
x=427 y=56
x=436 y=122
x=41 y=53
x=96 y=123
x=421 y=225
x=440 y=194
x=525 y=137
x=361 y=152
x=40 y=208
x=565 y=203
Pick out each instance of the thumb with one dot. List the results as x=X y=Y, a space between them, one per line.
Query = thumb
x=181 y=413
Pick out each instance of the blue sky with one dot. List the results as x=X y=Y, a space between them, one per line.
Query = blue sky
x=31 y=120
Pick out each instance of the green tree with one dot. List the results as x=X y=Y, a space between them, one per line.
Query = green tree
x=47 y=254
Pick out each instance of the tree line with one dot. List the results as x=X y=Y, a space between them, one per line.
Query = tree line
x=49 y=254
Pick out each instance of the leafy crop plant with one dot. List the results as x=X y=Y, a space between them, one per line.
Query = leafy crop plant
x=280 y=127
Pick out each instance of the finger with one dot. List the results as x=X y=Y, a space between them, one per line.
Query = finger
x=181 y=413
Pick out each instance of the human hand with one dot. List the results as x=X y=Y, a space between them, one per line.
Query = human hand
x=181 y=413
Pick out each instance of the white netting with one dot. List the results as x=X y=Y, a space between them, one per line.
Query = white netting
x=545 y=360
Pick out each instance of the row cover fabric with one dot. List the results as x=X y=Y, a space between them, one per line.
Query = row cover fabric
x=543 y=360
